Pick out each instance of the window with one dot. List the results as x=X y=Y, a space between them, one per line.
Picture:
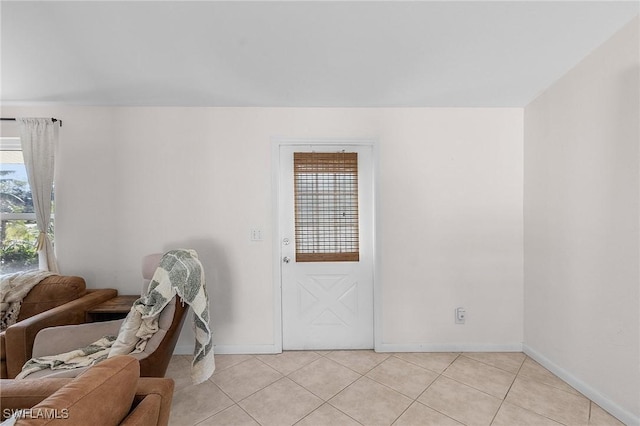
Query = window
x=326 y=206
x=18 y=229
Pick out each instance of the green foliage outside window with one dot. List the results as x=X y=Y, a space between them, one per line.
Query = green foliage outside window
x=17 y=237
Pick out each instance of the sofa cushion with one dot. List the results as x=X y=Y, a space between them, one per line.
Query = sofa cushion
x=127 y=339
x=53 y=291
x=102 y=395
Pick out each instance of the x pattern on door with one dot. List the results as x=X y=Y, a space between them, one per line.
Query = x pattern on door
x=328 y=300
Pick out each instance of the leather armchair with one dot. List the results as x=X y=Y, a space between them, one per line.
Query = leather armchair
x=56 y=300
x=156 y=356
x=154 y=360
x=109 y=393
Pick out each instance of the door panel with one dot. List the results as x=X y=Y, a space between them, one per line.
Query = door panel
x=327 y=304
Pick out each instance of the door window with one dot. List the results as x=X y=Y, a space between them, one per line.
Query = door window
x=326 y=206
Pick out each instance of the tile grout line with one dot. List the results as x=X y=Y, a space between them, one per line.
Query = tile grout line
x=337 y=393
x=250 y=416
x=493 y=366
x=306 y=365
x=335 y=408
x=418 y=365
x=219 y=411
x=474 y=388
x=297 y=369
x=513 y=381
x=430 y=384
x=232 y=365
x=320 y=397
x=401 y=414
x=362 y=374
x=283 y=376
x=412 y=400
x=507 y=392
x=469 y=386
x=555 y=387
x=310 y=391
x=345 y=388
x=551 y=385
x=396 y=390
x=261 y=389
x=523 y=408
x=427 y=388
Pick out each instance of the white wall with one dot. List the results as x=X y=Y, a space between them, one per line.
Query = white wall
x=137 y=180
x=451 y=219
x=581 y=209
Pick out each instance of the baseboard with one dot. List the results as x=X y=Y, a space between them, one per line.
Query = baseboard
x=449 y=347
x=383 y=347
x=614 y=409
x=231 y=349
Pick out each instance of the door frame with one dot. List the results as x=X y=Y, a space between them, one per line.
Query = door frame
x=276 y=247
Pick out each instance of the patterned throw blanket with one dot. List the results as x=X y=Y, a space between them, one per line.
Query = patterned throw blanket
x=84 y=357
x=180 y=272
x=13 y=289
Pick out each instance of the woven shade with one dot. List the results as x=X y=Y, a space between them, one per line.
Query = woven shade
x=326 y=206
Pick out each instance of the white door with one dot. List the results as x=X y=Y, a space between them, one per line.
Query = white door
x=326 y=247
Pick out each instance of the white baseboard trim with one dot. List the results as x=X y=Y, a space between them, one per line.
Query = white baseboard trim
x=449 y=347
x=231 y=349
x=603 y=401
x=383 y=347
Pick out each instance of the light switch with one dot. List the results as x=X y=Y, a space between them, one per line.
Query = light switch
x=256 y=234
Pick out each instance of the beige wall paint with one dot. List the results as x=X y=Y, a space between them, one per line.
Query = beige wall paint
x=581 y=209
x=137 y=180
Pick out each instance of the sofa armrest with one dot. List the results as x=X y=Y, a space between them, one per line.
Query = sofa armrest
x=65 y=338
x=146 y=413
x=152 y=400
x=21 y=394
x=19 y=337
x=158 y=387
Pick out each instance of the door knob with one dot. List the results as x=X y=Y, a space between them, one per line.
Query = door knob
x=286 y=259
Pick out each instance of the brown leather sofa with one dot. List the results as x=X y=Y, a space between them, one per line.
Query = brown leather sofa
x=109 y=393
x=56 y=300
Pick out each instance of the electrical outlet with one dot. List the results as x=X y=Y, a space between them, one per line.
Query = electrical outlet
x=461 y=315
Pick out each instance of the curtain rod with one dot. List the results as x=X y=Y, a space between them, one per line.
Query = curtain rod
x=13 y=119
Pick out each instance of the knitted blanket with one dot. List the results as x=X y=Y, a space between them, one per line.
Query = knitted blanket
x=13 y=289
x=83 y=357
x=179 y=273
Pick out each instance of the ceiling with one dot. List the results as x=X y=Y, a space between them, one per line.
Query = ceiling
x=296 y=54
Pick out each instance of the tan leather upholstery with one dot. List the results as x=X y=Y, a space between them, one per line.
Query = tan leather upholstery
x=53 y=291
x=109 y=393
x=57 y=300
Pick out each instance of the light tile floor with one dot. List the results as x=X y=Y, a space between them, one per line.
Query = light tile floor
x=339 y=388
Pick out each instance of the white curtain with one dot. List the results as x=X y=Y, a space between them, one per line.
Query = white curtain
x=39 y=138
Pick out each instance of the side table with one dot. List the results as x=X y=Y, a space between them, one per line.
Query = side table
x=112 y=309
